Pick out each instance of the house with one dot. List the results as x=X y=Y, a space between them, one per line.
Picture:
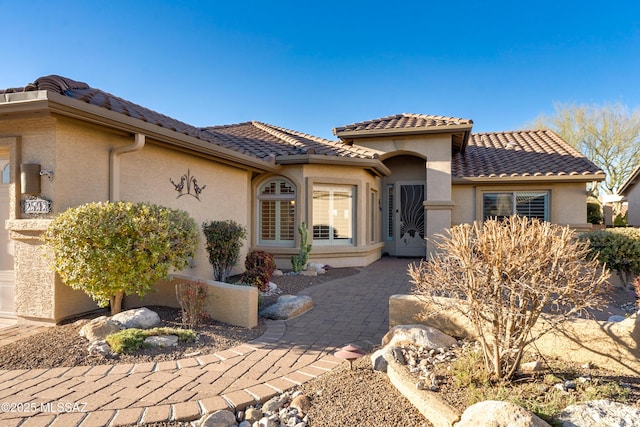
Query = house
x=380 y=188
x=630 y=191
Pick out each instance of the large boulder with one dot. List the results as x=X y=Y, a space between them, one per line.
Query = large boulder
x=597 y=413
x=288 y=306
x=140 y=318
x=98 y=328
x=495 y=413
x=419 y=335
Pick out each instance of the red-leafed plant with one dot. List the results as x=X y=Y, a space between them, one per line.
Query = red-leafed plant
x=260 y=266
x=192 y=297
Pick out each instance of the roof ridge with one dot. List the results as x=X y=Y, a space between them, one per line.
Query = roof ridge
x=272 y=130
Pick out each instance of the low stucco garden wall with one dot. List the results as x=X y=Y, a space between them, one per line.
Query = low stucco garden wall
x=233 y=304
x=611 y=345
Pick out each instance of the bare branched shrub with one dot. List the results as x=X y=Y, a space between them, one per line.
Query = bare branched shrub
x=508 y=272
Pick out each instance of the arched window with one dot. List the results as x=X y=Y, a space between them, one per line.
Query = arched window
x=6 y=178
x=276 y=212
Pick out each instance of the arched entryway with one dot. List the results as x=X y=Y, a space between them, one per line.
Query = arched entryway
x=404 y=222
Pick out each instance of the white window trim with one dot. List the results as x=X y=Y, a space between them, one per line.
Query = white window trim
x=276 y=197
x=354 y=194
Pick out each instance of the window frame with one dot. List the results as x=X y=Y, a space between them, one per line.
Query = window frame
x=332 y=240
x=513 y=199
x=277 y=197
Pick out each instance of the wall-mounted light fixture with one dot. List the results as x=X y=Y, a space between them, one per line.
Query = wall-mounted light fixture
x=30 y=178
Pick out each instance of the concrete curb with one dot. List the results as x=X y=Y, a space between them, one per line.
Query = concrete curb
x=434 y=409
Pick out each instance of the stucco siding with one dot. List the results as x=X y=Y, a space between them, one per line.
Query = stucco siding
x=567 y=202
x=633 y=200
x=145 y=175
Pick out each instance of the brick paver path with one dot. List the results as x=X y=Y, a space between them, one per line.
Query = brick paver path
x=354 y=309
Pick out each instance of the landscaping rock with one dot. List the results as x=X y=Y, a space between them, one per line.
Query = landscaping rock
x=378 y=361
x=162 y=340
x=277 y=273
x=616 y=318
x=221 y=418
x=141 y=318
x=599 y=413
x=99 y=328
x=309 y=273
x=275 y=403
x=418 y=335
x=99 y=348
x=288 y=306
x=536 y=366
x=494 y=413
x=252 y=414
x=301 y=403
x=318 y=268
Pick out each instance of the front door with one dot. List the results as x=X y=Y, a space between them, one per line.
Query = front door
x=7 y=276
x=410 y=219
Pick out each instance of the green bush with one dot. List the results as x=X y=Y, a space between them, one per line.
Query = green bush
x=594 y=213
x=618 y=249
x=110 y=249
x=128 y=341
x=260 y=266
x=224 y=240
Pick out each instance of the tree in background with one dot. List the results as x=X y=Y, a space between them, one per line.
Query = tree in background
x=608 y=135
x=109 y=249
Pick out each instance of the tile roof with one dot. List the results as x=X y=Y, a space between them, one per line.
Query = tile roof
x=252 y=138
x=402 y=121
x=520 y=154
x=264 y=140
x=630 y=181
x=488 y=155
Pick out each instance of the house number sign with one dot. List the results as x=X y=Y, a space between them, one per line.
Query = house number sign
x=36 y=205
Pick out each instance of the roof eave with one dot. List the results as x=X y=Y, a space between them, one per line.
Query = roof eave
x=62 y=105
x=633 y=178
x=357 y=134
x=474 y=180
x=374 y=165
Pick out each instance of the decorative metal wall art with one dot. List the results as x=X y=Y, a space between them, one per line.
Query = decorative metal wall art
x=189 y=182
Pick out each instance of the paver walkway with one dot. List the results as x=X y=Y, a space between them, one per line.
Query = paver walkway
x=354 y=309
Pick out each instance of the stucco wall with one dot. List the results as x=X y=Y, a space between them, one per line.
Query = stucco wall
x=567 y=202
x=633 y=197
x=144 y=177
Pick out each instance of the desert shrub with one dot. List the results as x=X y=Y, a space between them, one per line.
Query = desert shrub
x=130 y=340
x=110 y=249
x=507 y=271
x=621 y=220
x=224 y=240
x=192 y=296
x=618 y=249
x=259 y=269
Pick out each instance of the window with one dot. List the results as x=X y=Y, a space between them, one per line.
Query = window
x=333 y=213
x=6 y=179
x=373 y=223
x=533 y=204
x=276 y=206
x=389 y=216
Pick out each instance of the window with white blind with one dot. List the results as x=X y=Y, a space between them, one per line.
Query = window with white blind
x=333 y=214
x=532 y=204
x=276 y=212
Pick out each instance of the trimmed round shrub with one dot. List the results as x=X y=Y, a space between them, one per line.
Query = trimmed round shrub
x=111 y=249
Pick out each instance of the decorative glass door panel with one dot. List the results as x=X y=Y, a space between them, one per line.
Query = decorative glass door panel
x=410 y=240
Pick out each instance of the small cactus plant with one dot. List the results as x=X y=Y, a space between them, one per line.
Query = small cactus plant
x=300 y=261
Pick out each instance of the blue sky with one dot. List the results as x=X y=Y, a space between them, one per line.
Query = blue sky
x=312 y=66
